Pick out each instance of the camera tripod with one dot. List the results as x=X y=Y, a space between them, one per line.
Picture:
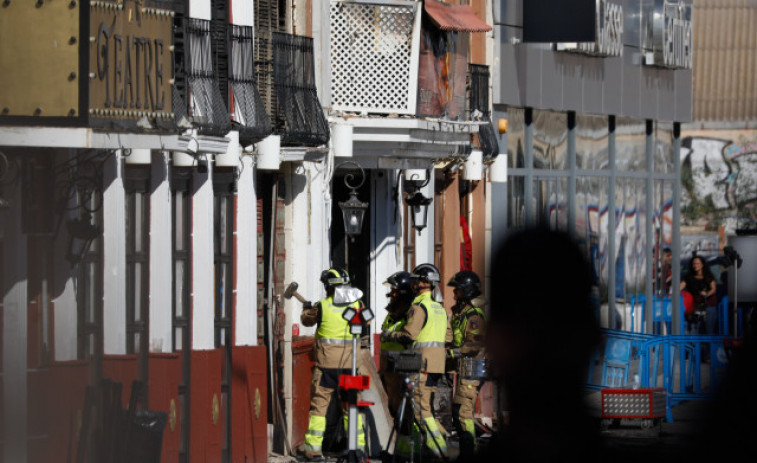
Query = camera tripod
x=408 y=404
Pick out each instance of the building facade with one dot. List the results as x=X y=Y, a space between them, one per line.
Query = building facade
x=183 y=161
x=168 y=167
x=594 y=136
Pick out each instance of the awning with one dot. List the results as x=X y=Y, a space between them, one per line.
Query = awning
x=459 y=18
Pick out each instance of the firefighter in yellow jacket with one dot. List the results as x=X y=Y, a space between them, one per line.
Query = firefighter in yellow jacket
x=333 y=357
x=426 y=330
x=468 y=330
x=400 y=296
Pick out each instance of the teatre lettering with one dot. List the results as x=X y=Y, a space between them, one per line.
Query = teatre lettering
x=130 y=67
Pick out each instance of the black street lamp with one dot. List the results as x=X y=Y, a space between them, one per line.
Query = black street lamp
x=353 y=210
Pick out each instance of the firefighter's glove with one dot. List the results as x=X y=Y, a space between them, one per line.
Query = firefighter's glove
x=307 y=305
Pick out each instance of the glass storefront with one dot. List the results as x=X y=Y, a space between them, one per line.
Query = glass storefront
x=613 y=190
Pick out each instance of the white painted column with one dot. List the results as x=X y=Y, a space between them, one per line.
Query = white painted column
x=161 y=260
x=295 y=252
x=323 y=202
x=64 y=305
x=245 y=227
x=386 y=255
x=307 y=218
x=424 y=240
x=246 y=314
x=14 y=291
x=299 y=238
x=202 y=261
x=308 y=238
x=114 y=256
x=65 y=327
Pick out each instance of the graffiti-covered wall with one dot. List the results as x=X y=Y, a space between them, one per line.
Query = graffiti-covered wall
x=719 y=179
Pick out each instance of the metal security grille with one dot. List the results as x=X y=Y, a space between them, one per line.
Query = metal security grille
x=479 y=101
x=207 y=111
x=294 y=78
x=372 y=64
x=250 y=117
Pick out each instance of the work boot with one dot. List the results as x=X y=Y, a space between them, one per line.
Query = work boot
x=314 y=456
x=308 y=455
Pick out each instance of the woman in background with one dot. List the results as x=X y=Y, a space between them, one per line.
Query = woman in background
x=700 y=283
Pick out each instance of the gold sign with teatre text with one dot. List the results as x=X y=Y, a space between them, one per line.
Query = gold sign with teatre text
x=130 y=61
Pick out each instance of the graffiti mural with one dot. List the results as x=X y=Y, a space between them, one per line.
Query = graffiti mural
x=719 y=179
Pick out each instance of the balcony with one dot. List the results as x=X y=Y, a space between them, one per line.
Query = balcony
x=407 y=78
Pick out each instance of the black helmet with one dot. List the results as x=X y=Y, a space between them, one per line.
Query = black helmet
x=427 y=273
x=335 y=276
x=467 y=282
x=400 y=281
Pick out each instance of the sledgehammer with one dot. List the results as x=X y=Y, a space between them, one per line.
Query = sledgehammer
x=292 y=291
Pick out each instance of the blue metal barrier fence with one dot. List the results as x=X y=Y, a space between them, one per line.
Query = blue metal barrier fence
x=689 y=367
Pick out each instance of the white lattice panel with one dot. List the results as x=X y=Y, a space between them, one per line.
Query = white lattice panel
x=373 y=61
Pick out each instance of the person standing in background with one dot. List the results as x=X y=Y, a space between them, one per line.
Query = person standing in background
x=468 y=330
x=700 y=282
x=426 y=330
x=400 y=297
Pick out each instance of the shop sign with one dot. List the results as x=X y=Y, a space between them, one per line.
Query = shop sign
x=609 y=32
x=130 y=63
x=672 y=38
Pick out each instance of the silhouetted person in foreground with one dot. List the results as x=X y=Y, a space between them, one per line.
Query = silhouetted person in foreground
x=730 y=425
x=543 y=330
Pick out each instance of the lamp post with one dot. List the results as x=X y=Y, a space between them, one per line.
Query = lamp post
x=353 y=210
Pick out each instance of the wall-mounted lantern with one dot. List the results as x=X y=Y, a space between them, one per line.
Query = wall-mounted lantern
x=418 y=210
x=353 y=210
x=417 y=202
x=81 y=233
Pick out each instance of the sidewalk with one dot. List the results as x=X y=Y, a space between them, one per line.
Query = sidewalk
x=667 y=443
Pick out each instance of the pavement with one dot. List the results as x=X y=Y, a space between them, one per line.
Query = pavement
x=664 y=442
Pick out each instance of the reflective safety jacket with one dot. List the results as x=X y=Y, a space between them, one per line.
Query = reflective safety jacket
x=333 y=340
x=468 y=329
x=426 y=329
x=392 y=324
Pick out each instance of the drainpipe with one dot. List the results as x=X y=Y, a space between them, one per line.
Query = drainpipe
x=286 y=343
x=676 y=283
x=649 y=204
x=611 y=227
